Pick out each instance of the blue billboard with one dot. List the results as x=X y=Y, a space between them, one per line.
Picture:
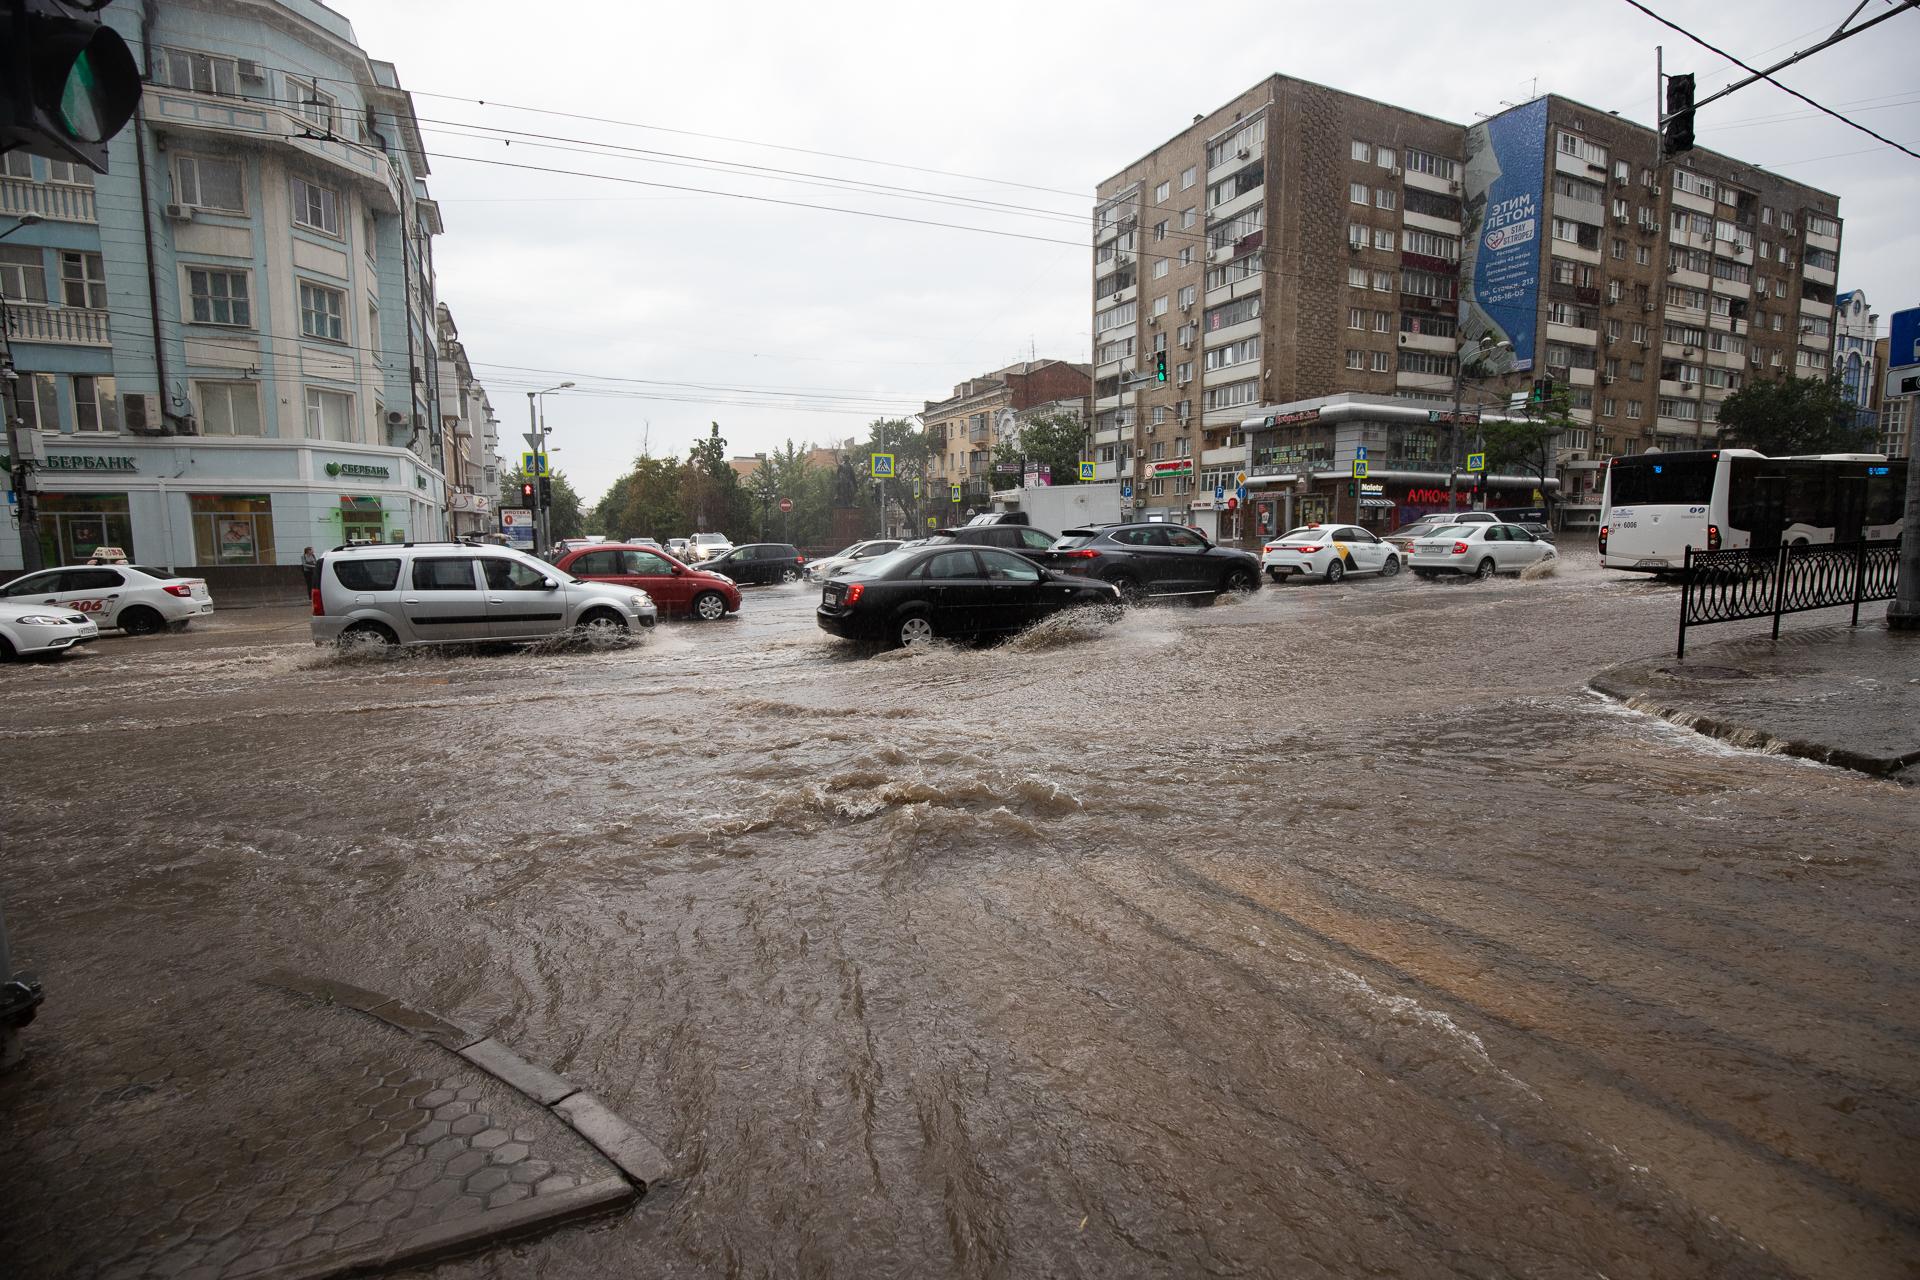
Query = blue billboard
x=1502 y=228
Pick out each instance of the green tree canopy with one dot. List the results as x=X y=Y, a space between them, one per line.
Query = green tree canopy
x=1783 y=416
x=1053 y=440
x=567 y=519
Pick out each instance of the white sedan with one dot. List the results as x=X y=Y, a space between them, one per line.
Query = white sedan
x=1478 y=549
x=27 y=630
x=827 y=566
x=1328 y=551
x=129 y=597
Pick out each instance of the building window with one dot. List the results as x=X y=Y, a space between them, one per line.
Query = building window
x=1160 y=305
x=208 y=184
x=96 y=407
x=1383 y=282
x=1187 y=295
x=1186 y=256
x=1423 y=162
x=16 y=164
x=35 y=399
x=1356 y=277
x=322 y=312
x=83 y=280
x=199 y=72
x=1188 y=177
x=1356 y=318
x=1383 y=322
x=1384 y=157
x=1356 y=359
x=228 y=408
x=1162 y=191
x=316 y=207
x=1159 y=416
x=314 y=104
x=219 y=297
x=232 y=528
x=370 y=246
x=329 y=415
x=1159 y=268
x=1160 y=229
x=1187 y=218
x=23 y=272
x=1382 y=362
x=1357 y=192
x=373 y=329
x=73 y=175
x=1633 y=410
x=1362 y=151
x=1383 y=239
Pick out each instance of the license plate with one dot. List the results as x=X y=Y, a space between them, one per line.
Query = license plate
x=1650 y=563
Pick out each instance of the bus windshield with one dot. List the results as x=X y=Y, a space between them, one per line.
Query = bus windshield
x=1662 y=479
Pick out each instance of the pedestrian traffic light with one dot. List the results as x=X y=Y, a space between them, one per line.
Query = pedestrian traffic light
x=546 y=491
x=1159 y=366
x=1353 y=489
x=1676 y=130
x=526 y=493
x=68 y=83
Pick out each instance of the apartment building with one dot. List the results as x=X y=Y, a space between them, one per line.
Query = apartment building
x=230 y=346
x=984 y=412
x=1301 y=242
x=471 y=431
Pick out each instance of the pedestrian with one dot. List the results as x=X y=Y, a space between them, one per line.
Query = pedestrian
x=310 y=568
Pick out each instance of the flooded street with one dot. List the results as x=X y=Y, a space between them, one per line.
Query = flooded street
x=1395 y=953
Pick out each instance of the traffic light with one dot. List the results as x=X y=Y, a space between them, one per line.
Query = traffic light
x=1542 y=391
x=1159 y=366
x=67 y=82
x=546 y=491
x=1353 y=489
x=1676 y=133
x=526 y=493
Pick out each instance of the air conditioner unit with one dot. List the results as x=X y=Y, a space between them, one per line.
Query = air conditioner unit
x=1607 y=378
x=179 y=212
x=1403 y=339
x=1244 y=153
x=140 y=413
x=1186 y=307
x=1150 y=428
x=1186 y=344
x=1397 y=171
x=187 y=425
x=1646 y=306
x=250 y=70
x=1655 y=188
x=1354 y=246
x=1620 y=219
x=1153 y=322
x=1789 y=232
x=1453 y=188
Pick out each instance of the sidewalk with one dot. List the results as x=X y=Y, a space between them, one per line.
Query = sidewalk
x=296 y=1127
x=1840 y=695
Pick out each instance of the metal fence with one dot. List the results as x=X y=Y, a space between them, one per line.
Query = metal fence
x=1726 y=586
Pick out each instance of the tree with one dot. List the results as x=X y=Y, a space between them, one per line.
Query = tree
x=711 y=497
x=566 y=518
x=1784 y=416
x=1054 y=441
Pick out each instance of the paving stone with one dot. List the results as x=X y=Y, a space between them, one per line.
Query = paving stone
x=437 y=1097
x=486 y=1181
x=507 y=1194
x=509 y=1153
x=488 y=1139
x=458 y=1109
x=467 y=1126
x=467 y=1162
x=429 y=1133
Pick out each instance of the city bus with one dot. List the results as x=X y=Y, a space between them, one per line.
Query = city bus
x=1656 y=505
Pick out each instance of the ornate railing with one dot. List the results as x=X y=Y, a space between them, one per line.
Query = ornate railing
x=1726 y=586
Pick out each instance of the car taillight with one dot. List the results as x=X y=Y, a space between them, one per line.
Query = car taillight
x=1459 y=548
x=1713 y=537
x=1271 y=546
x=1308 y=550
x=1603 y=539
x=854 y=592
x=799 y=559
x=1085 y=553
x=319 y=610
x=177 y=589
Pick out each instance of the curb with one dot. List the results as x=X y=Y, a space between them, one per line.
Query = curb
x=632 y=1152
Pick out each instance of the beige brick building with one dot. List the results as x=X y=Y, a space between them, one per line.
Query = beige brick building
x=963 y=430
x=1301 y=242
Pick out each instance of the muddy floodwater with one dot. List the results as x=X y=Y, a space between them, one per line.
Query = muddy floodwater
x=1337 y=932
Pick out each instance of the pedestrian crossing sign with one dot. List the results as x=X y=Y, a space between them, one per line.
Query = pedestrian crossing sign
x=1476 y=462
x=956 y=493
x=883 y=466
x=1086 y=473
x=1359 y=468
x=533 y=464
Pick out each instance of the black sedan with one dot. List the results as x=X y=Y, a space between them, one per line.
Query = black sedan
x=1153 y=559
x=918 y=594
x=760 y=562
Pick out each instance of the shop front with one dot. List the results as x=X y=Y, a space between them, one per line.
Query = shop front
x=74 y=525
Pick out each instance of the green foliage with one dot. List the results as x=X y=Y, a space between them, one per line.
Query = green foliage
x=1783 y=416
x=1054 y=441
x=567 y=519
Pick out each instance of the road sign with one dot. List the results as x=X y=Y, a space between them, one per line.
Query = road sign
x=1241 y=480
x=1360 y=452
x=533 y=464
x=1233 y=504
x=1467 y=417
x=1476 y=462
x=786 y=505
x=882 y=466
x=1359 y=468
x=1126 y=491
x=1219 y=492
x=1086 y=472
x=533 y=441
x=933 y=522
x=956 y=493
x=517 y=524
x=1240 y=490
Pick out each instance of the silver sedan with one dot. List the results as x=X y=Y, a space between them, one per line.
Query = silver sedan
x=1481 y=550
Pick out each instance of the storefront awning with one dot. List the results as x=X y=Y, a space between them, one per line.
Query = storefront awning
x=1376 y=504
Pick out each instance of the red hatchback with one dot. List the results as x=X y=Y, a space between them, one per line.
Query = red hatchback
x=679 y=590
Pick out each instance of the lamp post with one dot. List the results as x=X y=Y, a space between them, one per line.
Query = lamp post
x=17 y=472
x=537 y=419
x=1477 y=354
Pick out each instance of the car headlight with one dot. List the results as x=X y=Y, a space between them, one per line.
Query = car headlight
x=724 y=578
x=44 y=620
x=641 y=600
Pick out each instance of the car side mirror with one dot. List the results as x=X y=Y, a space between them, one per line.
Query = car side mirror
x=549 y=584
x=677 y=570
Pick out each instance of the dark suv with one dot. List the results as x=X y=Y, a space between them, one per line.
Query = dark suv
x=1147 y=560
x=759 y=562
x=1028 y=541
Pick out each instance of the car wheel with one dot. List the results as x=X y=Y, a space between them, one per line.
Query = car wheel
x=1336 y=570
x=789 y=574
x=709 y=606
x=6 y=650
x=1239 y=582
x=1486 y=568
x=141 y=621
x=915 y=631
x=367 y=637
x=1129 y=588
x=1391 y=568
x=602 y=629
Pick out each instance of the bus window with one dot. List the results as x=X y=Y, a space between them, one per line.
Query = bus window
x=1663 y=480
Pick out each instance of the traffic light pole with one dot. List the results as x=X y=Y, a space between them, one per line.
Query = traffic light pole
x=539 y=452
x=19 y=475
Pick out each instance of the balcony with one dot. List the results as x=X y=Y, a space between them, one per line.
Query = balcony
x=67 y=326
x=1427 y=182
x=1225 y=456
x=247 y=122
x=54 y=201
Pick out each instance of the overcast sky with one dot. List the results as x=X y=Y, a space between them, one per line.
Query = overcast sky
x=792 y=323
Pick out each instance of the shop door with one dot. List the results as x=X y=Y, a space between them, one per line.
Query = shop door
x=1313 y=511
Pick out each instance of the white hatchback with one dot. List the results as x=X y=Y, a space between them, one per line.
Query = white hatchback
x=1481 y=550
x=1330 y=551
x=130 y=597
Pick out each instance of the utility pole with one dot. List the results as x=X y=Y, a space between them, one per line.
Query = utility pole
x=19 y=473
x=539 y=451
x=1903 y=612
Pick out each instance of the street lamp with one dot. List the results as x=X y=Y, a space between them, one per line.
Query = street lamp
x=17 y=473
x=537 y=419
x=1478 y=354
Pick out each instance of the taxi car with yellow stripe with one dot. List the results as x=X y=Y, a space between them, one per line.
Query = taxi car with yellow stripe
x=1329 y=551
